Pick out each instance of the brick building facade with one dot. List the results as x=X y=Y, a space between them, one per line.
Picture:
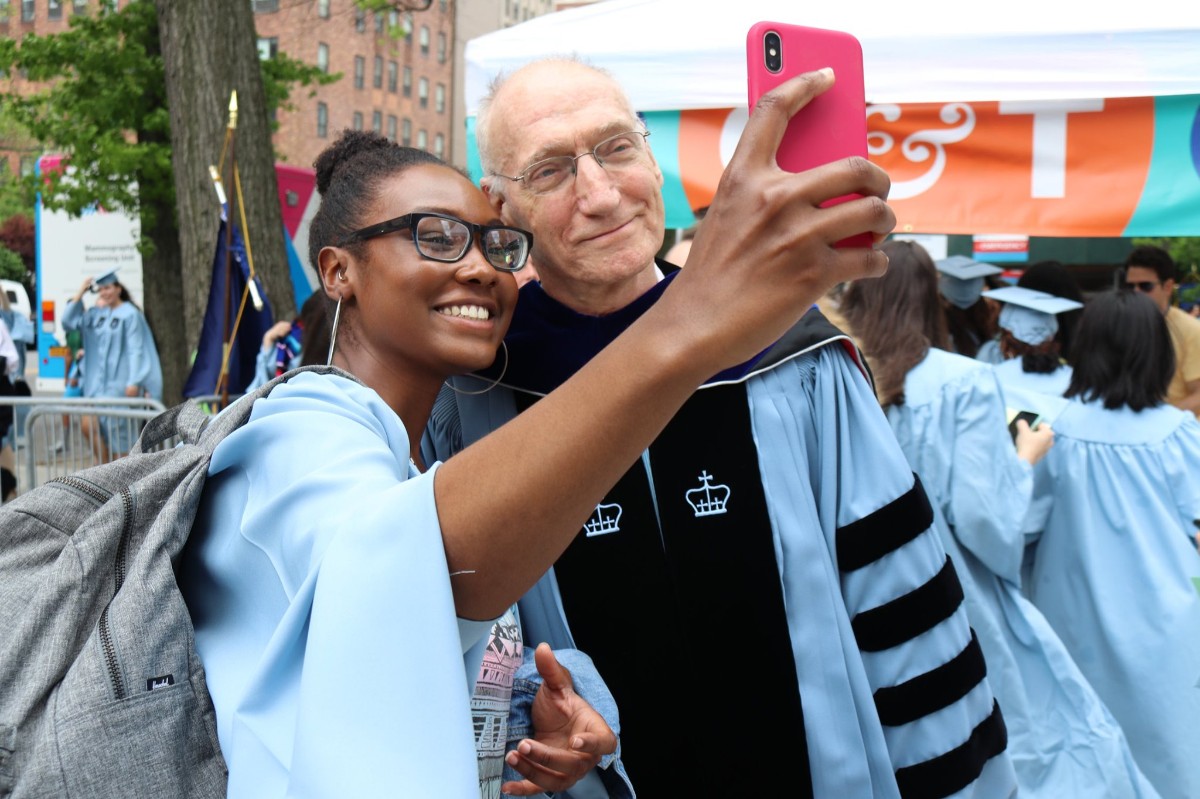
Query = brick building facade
x=397 y=85
x=404 y=86
x=19 y=18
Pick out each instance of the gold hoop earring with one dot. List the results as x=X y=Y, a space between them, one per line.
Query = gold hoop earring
x=496 y=382
x=342 y=275
x=337 y=314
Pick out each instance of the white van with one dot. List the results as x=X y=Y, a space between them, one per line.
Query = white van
x=18 y=298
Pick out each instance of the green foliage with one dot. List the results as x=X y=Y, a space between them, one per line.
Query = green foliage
x=105 y=105
x=11 y=266
x=397 y=27
x=14 y=199
x=1184 y=250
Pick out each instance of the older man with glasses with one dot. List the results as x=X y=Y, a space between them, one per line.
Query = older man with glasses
x=762 y=590
x=1151 y=270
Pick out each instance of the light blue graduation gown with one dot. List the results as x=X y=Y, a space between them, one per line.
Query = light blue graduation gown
x=1062 y=739
x=1116 y=572
x=320 y=593
x=118 y=348
x=1039 y=392
x=827 y=459
x=989 y=352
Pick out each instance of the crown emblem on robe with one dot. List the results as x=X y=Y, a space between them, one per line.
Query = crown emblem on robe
x=708 y=499
x=605 y=519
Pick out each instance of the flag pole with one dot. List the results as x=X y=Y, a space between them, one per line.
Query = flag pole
x=227 y=337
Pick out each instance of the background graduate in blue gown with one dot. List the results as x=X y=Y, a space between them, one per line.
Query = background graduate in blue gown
x=1116 y=567
x=948 y=414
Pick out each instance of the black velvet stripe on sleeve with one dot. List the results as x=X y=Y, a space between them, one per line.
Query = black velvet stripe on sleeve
x=930 y=692
x=949 y=773
x=906 y=617
x=865 y=541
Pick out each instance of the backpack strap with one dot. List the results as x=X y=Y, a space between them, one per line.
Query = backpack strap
x=188 y=422
x=238 y=412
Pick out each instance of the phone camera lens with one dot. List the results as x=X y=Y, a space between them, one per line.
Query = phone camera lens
x=772 y=52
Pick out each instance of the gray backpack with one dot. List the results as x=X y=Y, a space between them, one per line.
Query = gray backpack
x=101 y=691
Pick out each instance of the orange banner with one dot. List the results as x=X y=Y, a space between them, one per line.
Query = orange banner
x=1105 y=167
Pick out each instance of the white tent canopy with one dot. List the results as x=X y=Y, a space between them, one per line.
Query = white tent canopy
x=685 y=54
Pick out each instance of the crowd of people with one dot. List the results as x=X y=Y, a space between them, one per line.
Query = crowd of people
x=705 y=508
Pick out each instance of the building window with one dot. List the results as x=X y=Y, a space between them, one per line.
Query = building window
x=360 y=20
x=439 y=98
x=358 y=120
x=422 y=139
x=439 y=146
x=28 y=165
x=393 y=76
x=441 y=48
x=377 y=121
x=377 y=77
x=423 y=92
x=322 y=120
x=323 y=9
x=391 y=133
x=408 y=81
x=442 y=5
x=406 y=132
x=379 y=22
x=268 y=47
x=323 y=56
x=79 y=8
x=360 y=69
x=424 y=40
x=27 y=10
x=264 y=6
x=54 y=9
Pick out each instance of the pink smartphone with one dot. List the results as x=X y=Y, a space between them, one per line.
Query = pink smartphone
x=834 y=125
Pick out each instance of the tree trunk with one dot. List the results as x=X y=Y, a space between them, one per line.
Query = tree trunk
x=209 y=50
x=162 y=292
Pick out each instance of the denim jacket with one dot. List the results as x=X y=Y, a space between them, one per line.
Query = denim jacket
x=609 y=778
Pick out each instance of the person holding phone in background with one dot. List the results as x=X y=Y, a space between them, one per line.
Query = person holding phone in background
x=948 y=414
x=1033 y=374
x=770 y=550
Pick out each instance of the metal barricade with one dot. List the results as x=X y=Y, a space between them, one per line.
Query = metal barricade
x=53 y=437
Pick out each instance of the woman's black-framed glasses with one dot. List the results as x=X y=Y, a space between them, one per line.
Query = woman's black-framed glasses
x=439 y=237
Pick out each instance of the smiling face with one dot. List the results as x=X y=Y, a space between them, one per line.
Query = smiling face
x=417 y=316
x=595 y=236
x=109 y=295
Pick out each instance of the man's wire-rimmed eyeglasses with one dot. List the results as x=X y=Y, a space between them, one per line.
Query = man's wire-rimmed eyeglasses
x=615 y=152
x=444 y=238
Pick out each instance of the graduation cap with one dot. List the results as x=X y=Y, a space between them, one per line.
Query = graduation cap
x=1030 y=315
x=962 y=279
x=106 y=279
